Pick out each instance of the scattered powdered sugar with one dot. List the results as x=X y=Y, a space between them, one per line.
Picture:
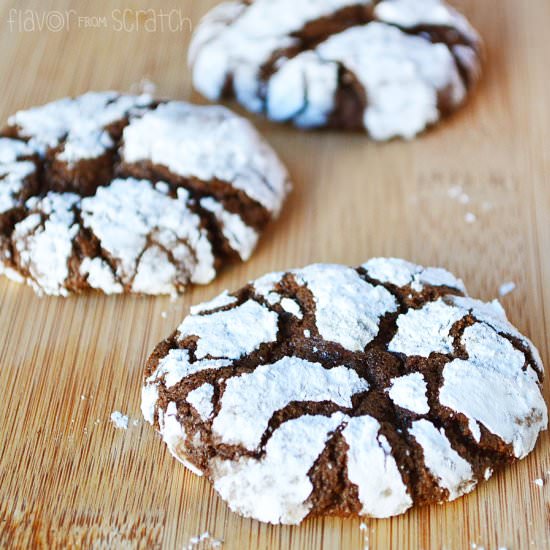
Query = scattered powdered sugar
x=228 y=334
x=204 y=538
x=119 y=420
x=382 y=492
x=353 y=320
x=250 y=400
x=470 y=217
x=409 y=392
x=539 y=482
x=506 y=288
x=446 y=465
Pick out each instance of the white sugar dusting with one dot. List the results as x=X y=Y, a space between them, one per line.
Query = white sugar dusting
x=506 y=288
x=119 y=420
x=353 y=319
x=208 y=143
x=80 y=121
x=425 y=331
x=276 y=487
x=44 y=241
x=222 y=300
x=516 y=411
x=409 y=392
x=136 y=222
x=203 y=538
x=382 y=492
x=402 y=273
x=241 y=237
x=446 y=465
x=228 y=334
x=250 y=400
x=201 y=400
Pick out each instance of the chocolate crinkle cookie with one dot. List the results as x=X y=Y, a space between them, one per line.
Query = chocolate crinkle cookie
x=390 y=67
x=122 y=193
x=332 y=390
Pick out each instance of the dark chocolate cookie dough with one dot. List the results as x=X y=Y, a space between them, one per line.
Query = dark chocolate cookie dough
x=332 y=390
x=123 y=193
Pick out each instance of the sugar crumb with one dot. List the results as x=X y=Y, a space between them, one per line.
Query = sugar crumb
x=470 y=217
x=206 y=536
x=144 y=86
x=506 y=288
x=119 y=420
x=455 y=191
x=539 y=482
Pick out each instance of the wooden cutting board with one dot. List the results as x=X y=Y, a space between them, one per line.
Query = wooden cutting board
x=68 y=478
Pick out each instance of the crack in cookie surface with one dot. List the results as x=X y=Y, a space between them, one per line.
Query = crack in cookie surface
x=336 y=390
x=124 y=193
x=390 y=67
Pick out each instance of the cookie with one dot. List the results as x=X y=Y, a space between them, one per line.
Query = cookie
x=332 y=390
x=390 y=67
x=123 y=193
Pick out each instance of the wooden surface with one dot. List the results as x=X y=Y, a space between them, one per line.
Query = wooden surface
x=68 y=478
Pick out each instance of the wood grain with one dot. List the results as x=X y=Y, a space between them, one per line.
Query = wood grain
x=68 y=478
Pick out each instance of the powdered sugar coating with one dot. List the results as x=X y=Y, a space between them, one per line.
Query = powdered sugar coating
x=130 y=215
x=14 y=169
x=452 y=472
x=165 y=193
x=252 y=489
x=79 y=123
x=201 y=400
x=516 y=411
x=402 y=273
x=427 y=330
x=209 y=143
x=353 y=319
x=264 y=54
x=409 y=392
x=381 y=489
x=250 y=400
x=282 y=413
x=241 y=237
x=43 y=241
x=228 y=334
